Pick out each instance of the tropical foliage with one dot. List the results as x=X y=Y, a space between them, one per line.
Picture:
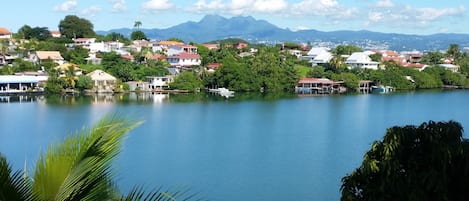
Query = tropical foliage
x=426 y=162
x=78 y=169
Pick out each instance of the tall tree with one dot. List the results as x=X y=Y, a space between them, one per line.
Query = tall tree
x=453 y=51
x=137 y=24
x=426 y=162
x=74 y=27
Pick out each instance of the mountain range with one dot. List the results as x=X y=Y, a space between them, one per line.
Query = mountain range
x=215 y=27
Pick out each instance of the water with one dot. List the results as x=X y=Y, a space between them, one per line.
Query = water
x=252 y=147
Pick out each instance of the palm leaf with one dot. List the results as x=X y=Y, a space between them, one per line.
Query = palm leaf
x=12 y=186
x=79 y=168
x=138 y=193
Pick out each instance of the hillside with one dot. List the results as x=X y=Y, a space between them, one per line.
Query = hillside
x=215 y=27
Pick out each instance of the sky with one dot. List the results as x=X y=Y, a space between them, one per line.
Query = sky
x=421 y=17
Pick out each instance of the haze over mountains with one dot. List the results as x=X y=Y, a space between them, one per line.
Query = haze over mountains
x=214 y=27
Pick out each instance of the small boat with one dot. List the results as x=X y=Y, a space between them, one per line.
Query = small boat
x=223 y=92
x=381 y=89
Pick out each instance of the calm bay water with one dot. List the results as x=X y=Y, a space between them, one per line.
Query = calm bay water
x=252 y=147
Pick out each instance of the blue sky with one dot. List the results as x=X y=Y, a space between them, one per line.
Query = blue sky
x=390 y=16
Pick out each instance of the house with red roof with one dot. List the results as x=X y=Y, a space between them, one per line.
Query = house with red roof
x=184 y=59
x=4 y=33
x=212 y=46
x=55 y=34
x=212 y=67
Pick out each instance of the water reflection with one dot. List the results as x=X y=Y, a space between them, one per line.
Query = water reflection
x=140 y=98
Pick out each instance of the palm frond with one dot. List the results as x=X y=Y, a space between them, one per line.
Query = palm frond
x=79 y=168
x=138 y=193
x=13 y=186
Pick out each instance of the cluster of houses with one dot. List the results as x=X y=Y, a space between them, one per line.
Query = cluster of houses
x=180 y=56
x=362 y=60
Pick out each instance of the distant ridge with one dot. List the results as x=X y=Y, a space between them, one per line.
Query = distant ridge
x=215 y=27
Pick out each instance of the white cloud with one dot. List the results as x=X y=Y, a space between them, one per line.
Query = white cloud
x=118 y=5
x=66 y=6
x=157 y=5
x=385 y=4
x=433 y=13
x=375 y=16
x=269 y=6
x=328 y=8
x=91 y=11
x=203 y=7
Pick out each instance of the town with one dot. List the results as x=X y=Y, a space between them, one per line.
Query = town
x=76 y=59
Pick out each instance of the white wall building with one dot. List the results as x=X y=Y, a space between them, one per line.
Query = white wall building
x=361 y=60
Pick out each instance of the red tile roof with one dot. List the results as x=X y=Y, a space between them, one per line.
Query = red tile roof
x=4 y=31
x=316 y=81
x=127 y=56
x=213 y=65
x=185 y=55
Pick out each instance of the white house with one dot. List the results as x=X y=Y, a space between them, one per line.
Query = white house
x=85 y=42
x=105 y=46
x=162 y=46
x=177 y=49
x=315 y=51
x=184 y=60
x=361 y=60
x=102 y=81
x=322 y=58
x=451 y=67
x=159 y=82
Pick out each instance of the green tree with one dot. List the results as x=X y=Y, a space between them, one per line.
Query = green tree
x=77 y=56
x=187 y=81
x=74 y=27
x=376 y=57
x=176 y=40
x=84 y=82
x=346 y=49
x=137 y=24
x=54 y=84
x=453 y=51
x=432 y=58
x=426 y=162
x=138 y=35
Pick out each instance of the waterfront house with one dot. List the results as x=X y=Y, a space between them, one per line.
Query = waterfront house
x=41 y=56
x=159 y=82
x=184 y=60
x=318 y=86
x=4 y=33
x=21 y=83
x=138 y=86
x=102 y=81
x=361 y=60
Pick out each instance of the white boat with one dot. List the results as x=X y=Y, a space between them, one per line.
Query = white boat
x=223 y=92
x=381 y=89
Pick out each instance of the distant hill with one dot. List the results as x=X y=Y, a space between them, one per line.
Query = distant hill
x=215 y=27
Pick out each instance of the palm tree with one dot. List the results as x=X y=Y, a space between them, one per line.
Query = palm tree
x=78 y=169
x=137 y=24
